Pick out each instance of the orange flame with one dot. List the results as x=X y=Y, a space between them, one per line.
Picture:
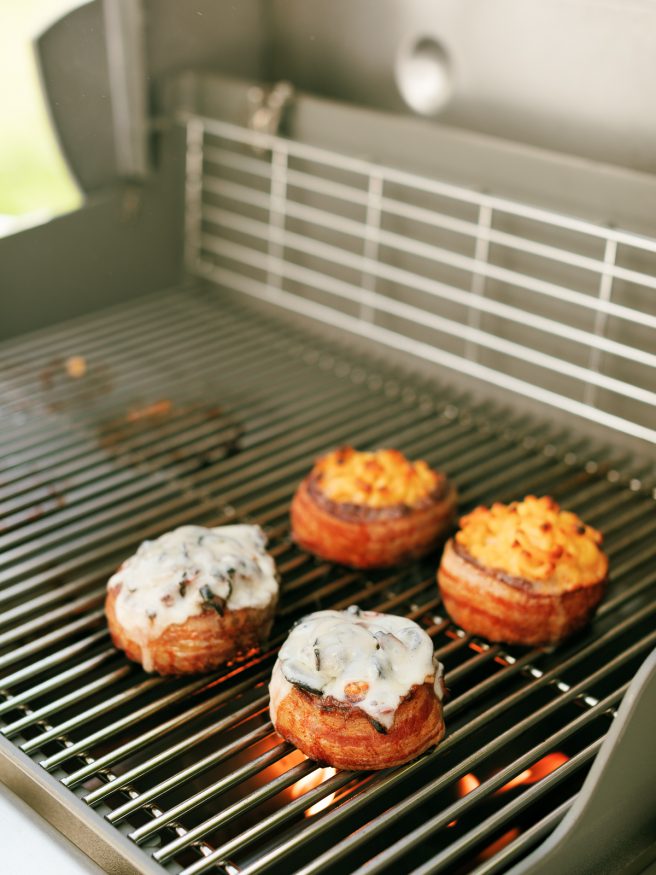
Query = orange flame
x=500 y=843
x=309 y=782
x=467 y=783
x=532 y=775
x=536 y=772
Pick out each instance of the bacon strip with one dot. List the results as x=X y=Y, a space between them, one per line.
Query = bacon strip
x=515 y=610
x=343 y=736
x=375 y=538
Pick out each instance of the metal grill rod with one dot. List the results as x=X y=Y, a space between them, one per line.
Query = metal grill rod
x=572 y=693
x=78 y=670
x=33 y=625
x=418 y=316
x=98 y=710
x=528 y=839
x=81 y=693
x=86 y=743
x=224 y=340
x=39 y=345
x=629 y=593
x=48 y=662
x=239 y=283
x=383 y=270
x=250 y=351
x=511 y=810
x=241 y=744
x=379 y=785
x=282 y=815
x=631 y=563
x=45 y=640
x=365 y=168
x=237 y=776
x=297 y=406
x=128 y=748
x=291 y=776
x=243 y=194
x=334 y=410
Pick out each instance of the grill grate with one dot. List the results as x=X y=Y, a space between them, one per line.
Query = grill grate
x=464 y=279
x=223 y=430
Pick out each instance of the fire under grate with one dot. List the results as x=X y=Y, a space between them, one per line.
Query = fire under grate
x=188 y=407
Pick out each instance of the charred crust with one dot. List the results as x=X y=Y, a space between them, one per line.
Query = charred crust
x=516 y=582
x=522 y=583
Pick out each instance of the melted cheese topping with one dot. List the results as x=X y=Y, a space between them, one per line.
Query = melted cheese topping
x=188 y=571
x=536 y=540
x=361 y=658
x=383 y=478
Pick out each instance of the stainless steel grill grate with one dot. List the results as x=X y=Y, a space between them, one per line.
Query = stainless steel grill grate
x=196 y=408
x=539 y=303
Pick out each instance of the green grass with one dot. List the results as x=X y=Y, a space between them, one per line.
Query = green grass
x=33 y=175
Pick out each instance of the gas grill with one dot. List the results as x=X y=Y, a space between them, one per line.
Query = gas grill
x=259 y=275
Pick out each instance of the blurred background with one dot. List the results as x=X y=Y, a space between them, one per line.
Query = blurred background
x=34 y=180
